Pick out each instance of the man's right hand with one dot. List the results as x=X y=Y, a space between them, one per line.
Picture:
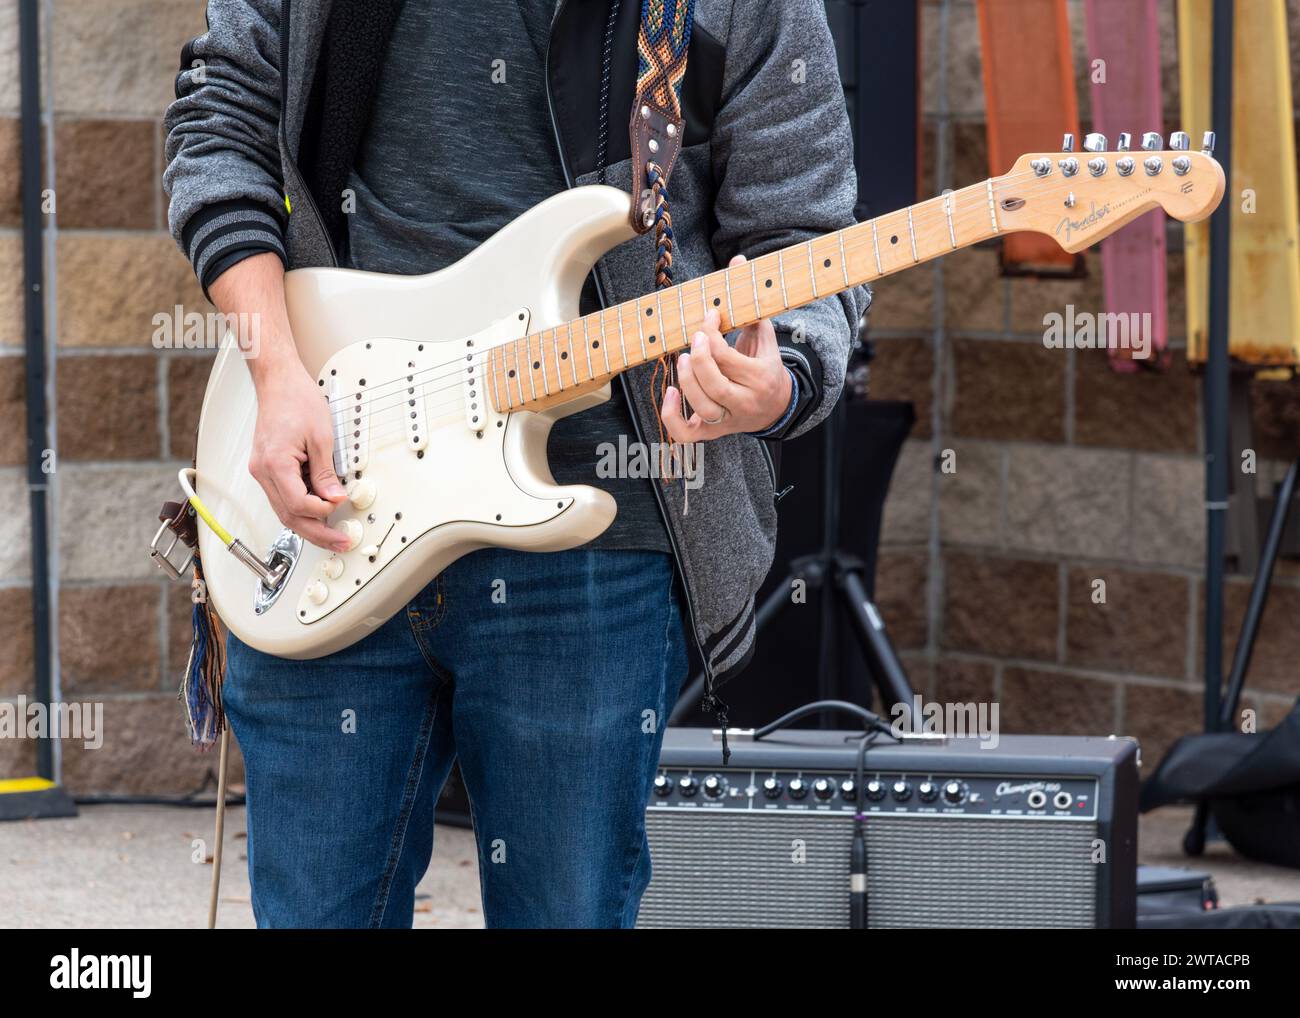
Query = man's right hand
x=293 y=445
x=293 y=455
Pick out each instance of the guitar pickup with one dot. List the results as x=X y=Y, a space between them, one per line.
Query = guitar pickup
x=350 y=413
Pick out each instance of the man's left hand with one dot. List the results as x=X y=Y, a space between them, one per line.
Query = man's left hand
x=730 y=389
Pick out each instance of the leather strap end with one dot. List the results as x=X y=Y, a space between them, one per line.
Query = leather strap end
x=656 y=136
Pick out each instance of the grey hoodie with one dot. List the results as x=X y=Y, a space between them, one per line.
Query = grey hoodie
x=767 y=163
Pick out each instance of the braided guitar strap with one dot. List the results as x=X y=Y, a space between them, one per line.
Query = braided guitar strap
x=657 y=129
x=656 y=139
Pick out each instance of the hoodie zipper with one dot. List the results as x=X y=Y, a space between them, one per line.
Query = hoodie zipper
x=622 y=379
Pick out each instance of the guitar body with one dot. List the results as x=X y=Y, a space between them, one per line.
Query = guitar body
x=435 y=470
x=443 y=388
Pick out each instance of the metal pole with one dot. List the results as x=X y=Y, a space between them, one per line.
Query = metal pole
x=1216 y=373
x=38 y=438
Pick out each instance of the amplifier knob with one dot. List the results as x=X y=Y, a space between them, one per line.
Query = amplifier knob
x=688 y=786
x=902 y=791
x=928 y=791
x=798 y=788
x=848 y=790
x=875 y=790
x=713 y=786
x=823 y=788
x=663 y=785
x=954 y=792
x=772 y=788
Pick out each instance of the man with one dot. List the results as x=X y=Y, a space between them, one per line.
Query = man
x=395 y=137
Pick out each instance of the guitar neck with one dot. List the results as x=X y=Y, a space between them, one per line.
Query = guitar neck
x=556 y=365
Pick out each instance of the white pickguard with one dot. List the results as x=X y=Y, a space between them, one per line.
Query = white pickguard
x=442 y=483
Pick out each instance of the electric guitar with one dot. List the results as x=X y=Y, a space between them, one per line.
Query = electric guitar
x=442 y=388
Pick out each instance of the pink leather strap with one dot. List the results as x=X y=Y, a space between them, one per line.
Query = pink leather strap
x=1125 y=35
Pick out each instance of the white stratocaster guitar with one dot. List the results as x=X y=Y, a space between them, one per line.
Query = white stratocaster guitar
x=443 y=388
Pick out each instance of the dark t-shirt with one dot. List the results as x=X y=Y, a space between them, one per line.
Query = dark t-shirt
x=458 y=145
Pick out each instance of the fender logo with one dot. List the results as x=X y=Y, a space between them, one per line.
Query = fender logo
x=1095 y=215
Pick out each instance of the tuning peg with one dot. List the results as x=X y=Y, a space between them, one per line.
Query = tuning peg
x=1067 y=143
x=1179 y=141
x=1094 y=143
x=1207 y=143
x=1151 y=141
x=1125 y=141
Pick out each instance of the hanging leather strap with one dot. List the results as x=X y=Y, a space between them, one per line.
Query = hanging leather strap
x=1030 y=103
x=657 y=124
x=1124 y=36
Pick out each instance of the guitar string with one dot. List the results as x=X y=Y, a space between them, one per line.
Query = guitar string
x=958 y=209
x=425 y=393
x=932 y=215
x=928 y=216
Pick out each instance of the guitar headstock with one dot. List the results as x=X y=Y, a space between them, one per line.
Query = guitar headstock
x=1079 y=198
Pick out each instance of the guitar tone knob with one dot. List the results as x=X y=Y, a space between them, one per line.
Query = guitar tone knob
x=352 y=531
x=317 y=592
x=333 y=568
x=361 y=494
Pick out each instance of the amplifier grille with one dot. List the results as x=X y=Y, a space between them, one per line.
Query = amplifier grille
x=737 y=869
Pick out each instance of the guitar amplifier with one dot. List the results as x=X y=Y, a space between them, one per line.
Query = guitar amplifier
x=1037 y=831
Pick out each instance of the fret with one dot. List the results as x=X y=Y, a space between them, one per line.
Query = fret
x=555 y=344
x=731 y=315
x=704 y=303
x=622 y=345
x=875 y=241
x=640 y=330
x=780 y=274
x=496 y=394
x=947 y=208
x=812 y=270
x=753 y=275
x=844 y=258
x=912 y=231
x=586 y=345
x=681 y=310
x=604 y=344
x=659 y=311
x=532 y=382
x=993 y=213
x=541 y=361
x=573 y=361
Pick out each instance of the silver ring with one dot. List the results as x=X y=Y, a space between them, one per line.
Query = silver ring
x=722 y=418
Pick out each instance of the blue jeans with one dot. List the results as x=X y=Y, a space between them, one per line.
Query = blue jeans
x=550 y=677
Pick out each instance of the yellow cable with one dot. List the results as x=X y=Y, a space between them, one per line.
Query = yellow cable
x=204 y=513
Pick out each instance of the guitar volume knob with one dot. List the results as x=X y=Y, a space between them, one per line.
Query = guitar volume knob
x=317 y=592
x=361 y=494
x=352 y=530
x=333 y=568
